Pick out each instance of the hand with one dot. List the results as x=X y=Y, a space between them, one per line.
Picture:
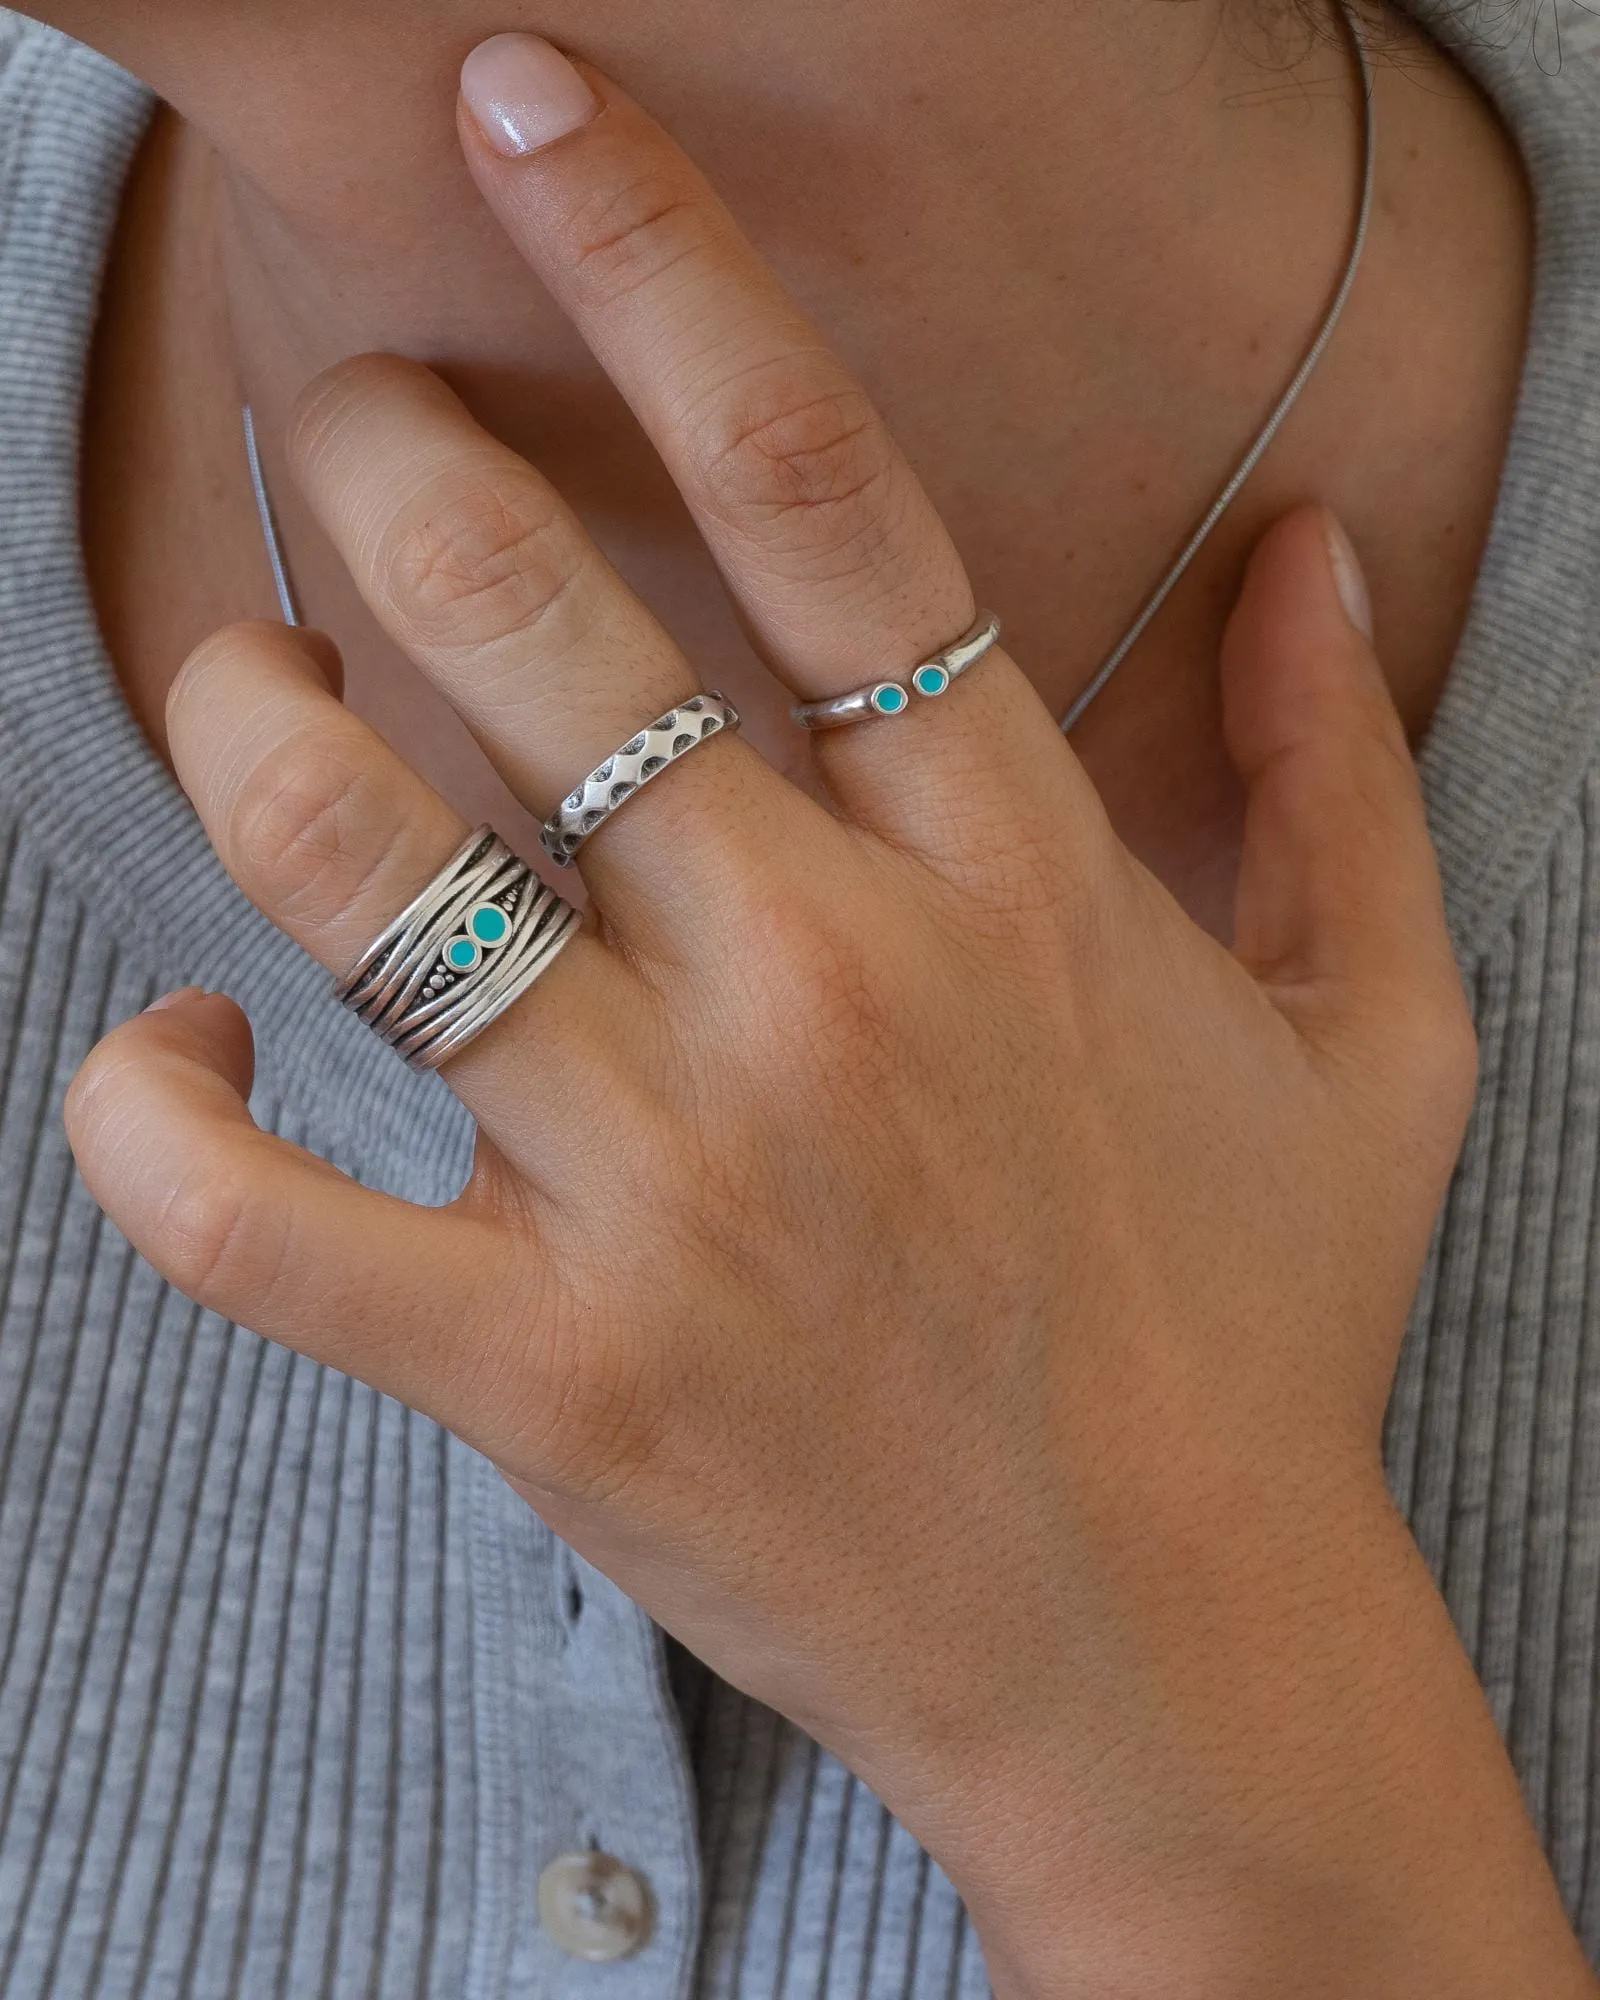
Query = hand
x=946 y=1288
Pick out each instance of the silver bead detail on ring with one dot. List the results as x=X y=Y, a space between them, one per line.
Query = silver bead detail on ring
x=626 y=771
x=479 y=936
x=890 y=698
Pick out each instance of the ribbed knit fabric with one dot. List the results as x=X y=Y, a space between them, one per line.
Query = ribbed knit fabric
x=813 y=1889
x=295 y=1698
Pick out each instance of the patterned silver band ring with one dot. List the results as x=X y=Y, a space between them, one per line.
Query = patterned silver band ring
x=626 y=771
x=890 y=698
x=479 y=936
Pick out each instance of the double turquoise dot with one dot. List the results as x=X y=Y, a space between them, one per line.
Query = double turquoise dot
x=890 y=698
x=487 y=927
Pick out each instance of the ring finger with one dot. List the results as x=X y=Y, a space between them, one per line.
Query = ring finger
x=331 y=835
x=482 y=574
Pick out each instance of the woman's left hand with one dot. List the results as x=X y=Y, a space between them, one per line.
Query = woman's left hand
x=946 y=1288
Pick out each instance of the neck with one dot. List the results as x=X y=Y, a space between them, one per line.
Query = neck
x=837 y=126
x=1052 y=154
x=1115 y=228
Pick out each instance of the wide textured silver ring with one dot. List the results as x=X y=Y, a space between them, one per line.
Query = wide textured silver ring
x=479 y=936
x=626 y=771
x=885 y=699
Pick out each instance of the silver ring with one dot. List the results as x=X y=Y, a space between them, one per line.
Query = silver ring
x=643 y=757
x=479 y=936
x=890 y=698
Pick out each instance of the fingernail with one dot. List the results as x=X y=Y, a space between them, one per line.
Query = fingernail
x=524 y=94
x=1349 y=577
x=179 y=999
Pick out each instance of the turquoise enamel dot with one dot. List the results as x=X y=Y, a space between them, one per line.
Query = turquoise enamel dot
x=462 y=954
x=889 y=699
x=931 y=681
x=490 y=925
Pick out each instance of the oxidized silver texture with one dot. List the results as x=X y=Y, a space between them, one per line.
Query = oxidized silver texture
x=891 y=698
x=405 y=986
x=643 y=757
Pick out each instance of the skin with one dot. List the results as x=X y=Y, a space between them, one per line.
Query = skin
x=1206 y=209
x=947 y=1287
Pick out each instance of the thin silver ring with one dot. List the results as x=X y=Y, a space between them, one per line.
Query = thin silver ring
x=627 y=771
x=483 y=932
x=888 y=699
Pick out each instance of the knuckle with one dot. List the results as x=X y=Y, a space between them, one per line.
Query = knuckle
x=629 y=235
x=604 y=1420
x=556 y=1386
x=219 y=1243
x=302 y=830
x=583 y=1405
x=488 y=561
x=828 y=1004
x=1028 y=884
x=800 y=453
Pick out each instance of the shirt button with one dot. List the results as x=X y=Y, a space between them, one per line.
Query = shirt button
x=594 y=1908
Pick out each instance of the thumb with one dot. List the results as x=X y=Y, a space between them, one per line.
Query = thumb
x=1340 y=915
x=257 y=1230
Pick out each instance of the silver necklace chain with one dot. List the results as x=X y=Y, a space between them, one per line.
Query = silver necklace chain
x=1286 y=402
x=289 y=605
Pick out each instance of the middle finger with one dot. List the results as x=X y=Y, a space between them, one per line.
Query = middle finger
x=836 y=556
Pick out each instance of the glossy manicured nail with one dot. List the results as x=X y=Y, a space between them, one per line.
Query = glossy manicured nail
x=1349 y=577
x=179 y=999
x=524 y=94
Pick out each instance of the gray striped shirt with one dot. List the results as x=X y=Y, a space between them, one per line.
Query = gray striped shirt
x=295 y=1698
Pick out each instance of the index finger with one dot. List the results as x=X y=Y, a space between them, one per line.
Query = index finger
x=838 y=560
